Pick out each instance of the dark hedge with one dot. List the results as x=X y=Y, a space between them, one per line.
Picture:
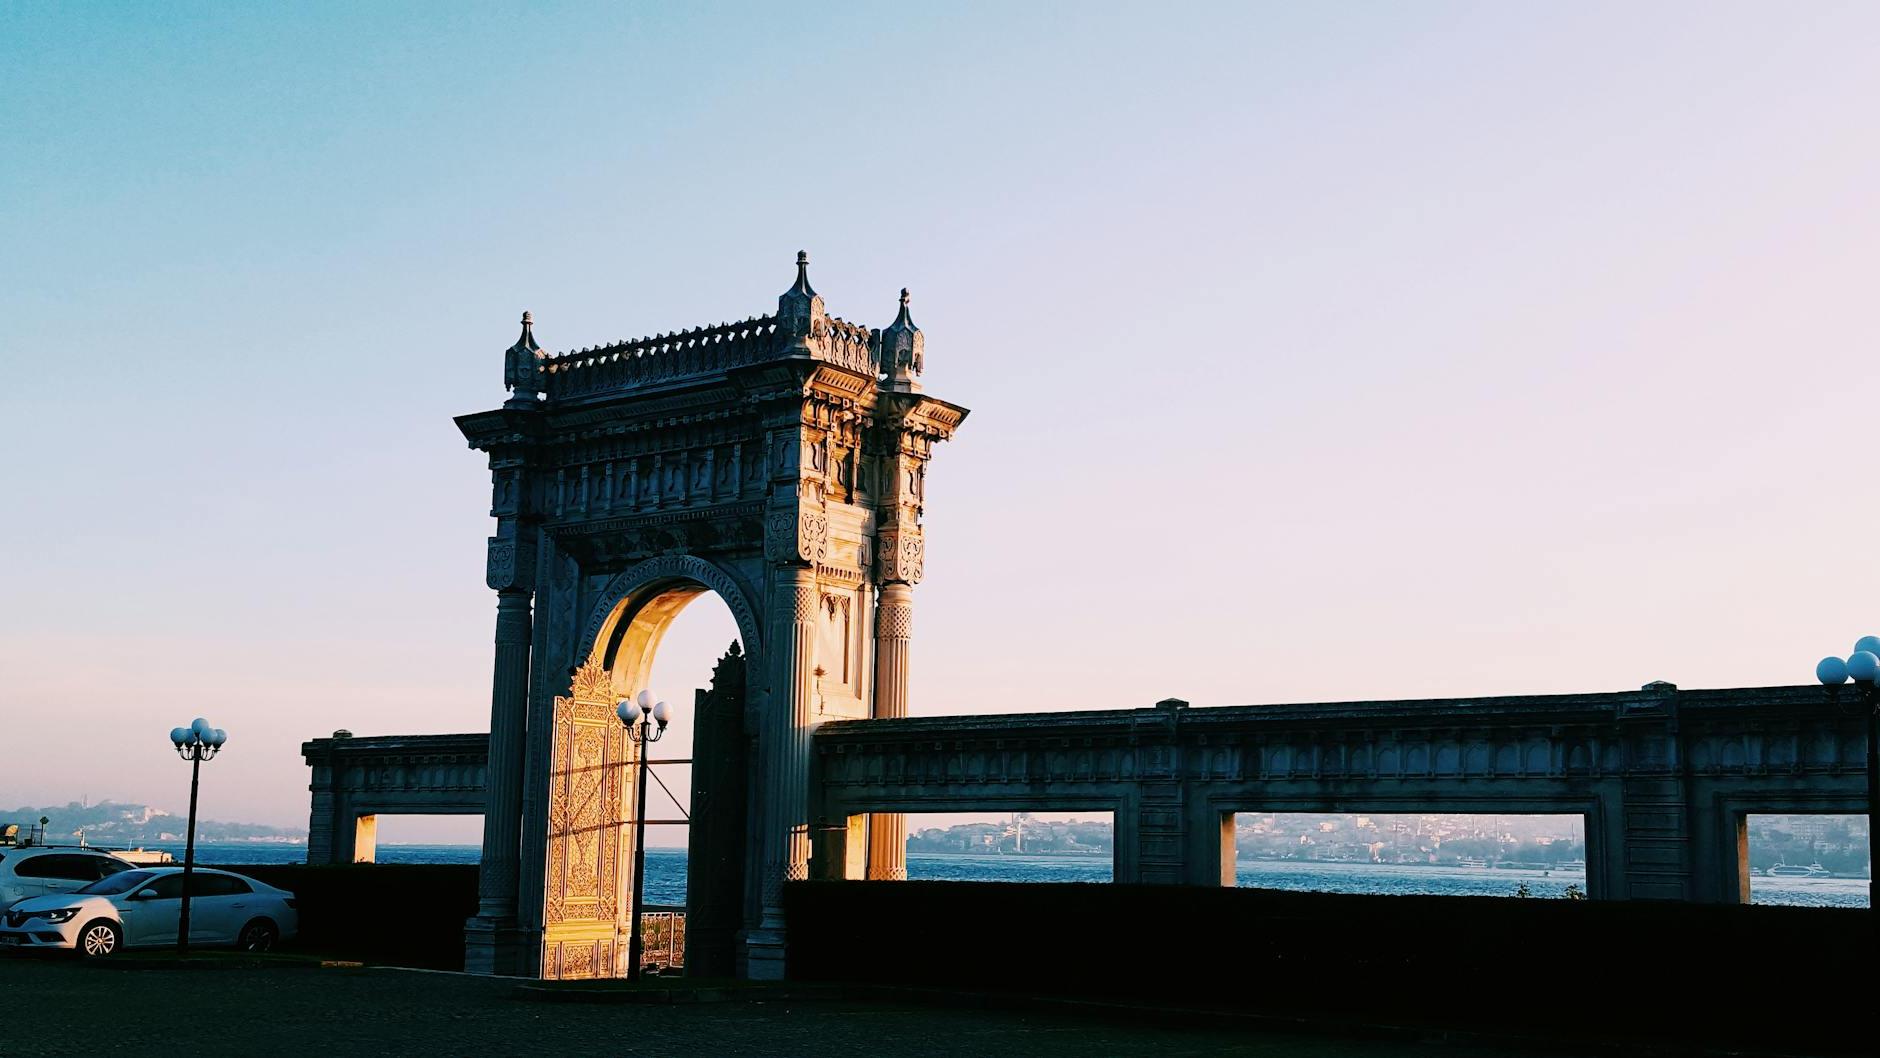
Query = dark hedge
x=403 y=914
x=1789 y=979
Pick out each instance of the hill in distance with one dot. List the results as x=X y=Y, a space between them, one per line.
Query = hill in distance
x=120 y=823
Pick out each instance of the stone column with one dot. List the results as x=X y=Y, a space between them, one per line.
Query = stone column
x=894 y=627
x=491 y=933
x=784 y=800
x=320 y=818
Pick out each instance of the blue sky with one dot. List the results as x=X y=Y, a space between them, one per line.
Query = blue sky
x=1314 y=351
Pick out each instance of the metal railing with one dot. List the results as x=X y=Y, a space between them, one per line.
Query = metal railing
x=663 y=930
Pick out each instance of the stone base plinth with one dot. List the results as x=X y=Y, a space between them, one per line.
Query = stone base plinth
x=496 y=947
x=763 y=955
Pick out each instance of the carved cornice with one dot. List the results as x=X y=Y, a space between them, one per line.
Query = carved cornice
x=575 y=528
x=830 y=381
x=646 y=411
x=920 y=414
x=842 y=575
x=500 y=428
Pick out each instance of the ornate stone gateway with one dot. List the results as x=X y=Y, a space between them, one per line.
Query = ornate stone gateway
x=778 y=462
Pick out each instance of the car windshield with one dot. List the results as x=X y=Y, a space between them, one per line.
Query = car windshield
x=121 y=882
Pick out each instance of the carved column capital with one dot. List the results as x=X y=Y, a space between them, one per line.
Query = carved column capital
x=511 y=564
x=901 y=554
x=797 y=536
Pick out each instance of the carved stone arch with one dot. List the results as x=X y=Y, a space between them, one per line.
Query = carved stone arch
x=641 y=583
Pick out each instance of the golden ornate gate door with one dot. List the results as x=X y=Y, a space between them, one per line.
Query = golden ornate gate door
x=589 y=844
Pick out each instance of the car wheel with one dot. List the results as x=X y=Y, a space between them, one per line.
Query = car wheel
x=100 y=939
x=258 y=935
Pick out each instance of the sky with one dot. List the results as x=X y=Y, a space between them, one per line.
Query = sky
x=1315 y=352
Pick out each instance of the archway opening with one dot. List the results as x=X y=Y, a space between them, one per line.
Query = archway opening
x=670 y=643
x=1039 y=845
x=674 y=638
x=1807 y=859
x=1394 y=853
x=427 y=837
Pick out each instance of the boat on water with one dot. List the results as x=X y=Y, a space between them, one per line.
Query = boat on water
x=143 y=857
x=1796 y=870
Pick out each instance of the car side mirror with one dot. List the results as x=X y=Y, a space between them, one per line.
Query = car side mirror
x=144 y=894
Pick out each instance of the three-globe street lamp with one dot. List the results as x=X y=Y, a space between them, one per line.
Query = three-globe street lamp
x=1863 y=667
x=196 y=743
x=646 y=721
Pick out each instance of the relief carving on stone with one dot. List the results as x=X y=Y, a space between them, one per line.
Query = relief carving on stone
x=895 y=621
x=806 y=603
x=797 y=537
x=902 y=555
x=510 y=564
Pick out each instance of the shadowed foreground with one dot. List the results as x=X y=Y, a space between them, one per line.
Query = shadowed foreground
x=64 y=1008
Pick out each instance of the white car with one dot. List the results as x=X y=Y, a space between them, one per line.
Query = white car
x=141 y=908
x=27 y=871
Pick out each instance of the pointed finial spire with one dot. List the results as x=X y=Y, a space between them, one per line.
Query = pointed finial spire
x=802 y=275
x=800 y=306
x=522 y=367
x=903 y=351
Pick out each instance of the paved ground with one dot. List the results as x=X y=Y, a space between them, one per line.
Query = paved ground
x=64 y=1008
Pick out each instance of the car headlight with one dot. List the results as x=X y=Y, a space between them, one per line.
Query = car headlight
x=63 y=914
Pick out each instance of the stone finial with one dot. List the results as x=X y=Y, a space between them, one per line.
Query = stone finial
x=522 y=370
x=802 y=275
x=800 y=308
x=903 y=351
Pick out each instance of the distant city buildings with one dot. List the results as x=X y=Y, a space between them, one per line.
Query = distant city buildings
x=112 y=823
x=1838 y=843
x=1273 y=836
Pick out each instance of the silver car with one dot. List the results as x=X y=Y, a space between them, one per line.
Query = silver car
x=27 y=871
x=142 y=908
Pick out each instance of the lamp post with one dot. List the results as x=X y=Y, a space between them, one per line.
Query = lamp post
x=1863 y=667
x=196 y=743
x=646 y=721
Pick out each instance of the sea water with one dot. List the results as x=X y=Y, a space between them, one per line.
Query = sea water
x=665 y=873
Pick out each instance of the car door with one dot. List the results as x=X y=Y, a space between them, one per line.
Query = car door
x=150 y=914
x=218 y=907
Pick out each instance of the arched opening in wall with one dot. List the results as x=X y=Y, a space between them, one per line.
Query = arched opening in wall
x=411 y=837
x=612 y=786
x=1807 y=860
x=698 y=636
x=1387 y=854
x=1034 y=845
